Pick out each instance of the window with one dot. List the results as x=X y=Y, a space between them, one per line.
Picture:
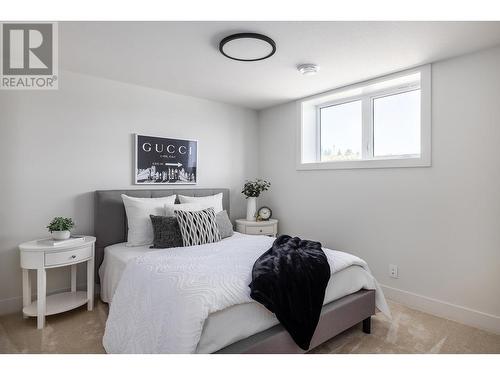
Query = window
x=376 y=124
x=341 y=129
x=396 y=125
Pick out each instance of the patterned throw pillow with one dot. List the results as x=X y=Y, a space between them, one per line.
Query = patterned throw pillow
x=166 y=232
x=198 y=227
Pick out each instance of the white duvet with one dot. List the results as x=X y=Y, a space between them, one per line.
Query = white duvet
x=164 y=297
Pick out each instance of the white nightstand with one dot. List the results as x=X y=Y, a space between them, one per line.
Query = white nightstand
x=267 y=227
x=41 y=256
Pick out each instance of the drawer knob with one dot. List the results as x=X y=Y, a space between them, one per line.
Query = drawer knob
x=73 y=256
x=260 y=231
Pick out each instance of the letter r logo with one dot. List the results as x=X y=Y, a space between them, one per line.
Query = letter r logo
x=27 y=49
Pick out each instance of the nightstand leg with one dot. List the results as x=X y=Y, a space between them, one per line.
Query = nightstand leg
x=90 y=284
x=41 y=296
x=73 y=278
x=26 y=289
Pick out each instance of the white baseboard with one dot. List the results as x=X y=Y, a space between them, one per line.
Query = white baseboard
x=15 y=304
x=11 y=305
x=460 y=314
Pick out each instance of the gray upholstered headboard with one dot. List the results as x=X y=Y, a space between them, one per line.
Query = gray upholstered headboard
x=111 y=221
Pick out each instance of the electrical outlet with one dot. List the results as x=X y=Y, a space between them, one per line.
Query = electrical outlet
x=393 y=271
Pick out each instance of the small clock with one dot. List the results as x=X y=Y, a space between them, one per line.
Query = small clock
x=264 y=213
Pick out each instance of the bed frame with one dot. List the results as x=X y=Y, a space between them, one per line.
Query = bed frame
x=337 y=316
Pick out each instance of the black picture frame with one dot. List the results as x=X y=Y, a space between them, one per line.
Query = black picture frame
x=165 y=161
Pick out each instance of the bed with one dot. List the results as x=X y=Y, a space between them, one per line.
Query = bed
x=244 y=327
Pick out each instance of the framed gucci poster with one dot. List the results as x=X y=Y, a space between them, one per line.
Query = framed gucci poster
x=161 y=160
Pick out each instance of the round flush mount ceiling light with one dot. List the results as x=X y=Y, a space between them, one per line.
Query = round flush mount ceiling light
x=308 y=69
x=247 y=47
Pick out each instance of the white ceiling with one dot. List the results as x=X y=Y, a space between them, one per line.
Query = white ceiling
x=183 y=57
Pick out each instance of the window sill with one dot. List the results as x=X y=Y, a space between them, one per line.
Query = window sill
x=367 y=164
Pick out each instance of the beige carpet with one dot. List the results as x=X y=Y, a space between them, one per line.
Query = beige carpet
x=410 y=331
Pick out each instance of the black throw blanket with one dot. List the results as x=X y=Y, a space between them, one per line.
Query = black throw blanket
x=290 y=281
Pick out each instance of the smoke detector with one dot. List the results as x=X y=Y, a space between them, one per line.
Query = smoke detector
x=308 y=69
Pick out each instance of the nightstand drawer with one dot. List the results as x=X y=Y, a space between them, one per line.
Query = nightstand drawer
x=63 y=257
x=265 y=230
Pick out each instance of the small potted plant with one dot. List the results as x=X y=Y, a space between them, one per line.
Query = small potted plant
x=60 y=227
x=252 y=189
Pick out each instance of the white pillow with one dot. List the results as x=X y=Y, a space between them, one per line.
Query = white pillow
x=140 y=229
x=170 y=208
x=214 y=201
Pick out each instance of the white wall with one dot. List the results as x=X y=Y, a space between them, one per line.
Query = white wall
x=440 y=225
x=57 y=147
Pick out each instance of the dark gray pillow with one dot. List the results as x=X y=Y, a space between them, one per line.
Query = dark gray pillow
x=224 y=224
x=167 y=232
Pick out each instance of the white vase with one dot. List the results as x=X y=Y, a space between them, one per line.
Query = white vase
x=251 y=208
x=61 y=234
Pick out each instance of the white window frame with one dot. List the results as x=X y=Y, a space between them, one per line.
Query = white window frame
x=357 y=92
